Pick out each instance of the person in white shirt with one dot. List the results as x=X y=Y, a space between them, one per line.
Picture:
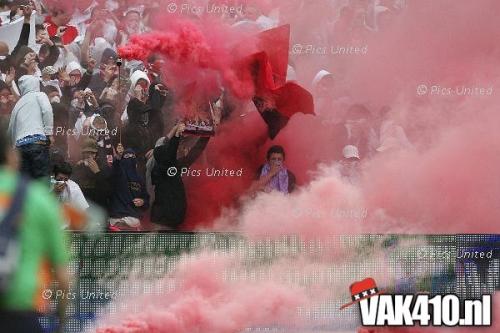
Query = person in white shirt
x=67 y=191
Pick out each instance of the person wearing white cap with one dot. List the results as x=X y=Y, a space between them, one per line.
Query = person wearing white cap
x=322 y=87
x=49 y=78
x=349 y=165
x=350 y=152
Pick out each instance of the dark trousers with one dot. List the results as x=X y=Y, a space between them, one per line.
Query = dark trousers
x=35 y=160
x=19 y=322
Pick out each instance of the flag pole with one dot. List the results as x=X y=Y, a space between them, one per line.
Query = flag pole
x=119 y=63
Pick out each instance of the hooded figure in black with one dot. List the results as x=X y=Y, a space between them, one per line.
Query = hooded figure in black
x=170 y=204
x=145 y=119
x=129 y=198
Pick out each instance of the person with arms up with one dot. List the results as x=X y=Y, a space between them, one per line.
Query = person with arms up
x=170 y=202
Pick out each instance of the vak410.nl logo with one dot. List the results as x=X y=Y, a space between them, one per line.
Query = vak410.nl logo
x=380 y=309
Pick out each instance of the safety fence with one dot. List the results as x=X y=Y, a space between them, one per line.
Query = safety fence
x=123 y=265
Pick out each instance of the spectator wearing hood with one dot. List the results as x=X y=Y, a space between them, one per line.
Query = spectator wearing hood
x=74 y=78
x=391 y=136
x=170 y=204
x=329 y=102
x=129 y=199
x=92 y=174
x=30 y=127
x=96 y=127
x=108 y=71
x=145 y=120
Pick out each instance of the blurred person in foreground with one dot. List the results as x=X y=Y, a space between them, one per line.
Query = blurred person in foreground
x=30 y=221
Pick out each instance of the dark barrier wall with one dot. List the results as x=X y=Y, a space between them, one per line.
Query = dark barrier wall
x=128 y=264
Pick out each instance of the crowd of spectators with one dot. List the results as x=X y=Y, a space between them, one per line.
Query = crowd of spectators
x=68 y=114
x=97 y=126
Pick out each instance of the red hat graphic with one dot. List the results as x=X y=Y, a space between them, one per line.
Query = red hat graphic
x=361 y=290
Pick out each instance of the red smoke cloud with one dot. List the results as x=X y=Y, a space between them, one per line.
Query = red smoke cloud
x=187 y=46
x=204 y=302
x=202 y=57
x=407 y=190
x=448 y=184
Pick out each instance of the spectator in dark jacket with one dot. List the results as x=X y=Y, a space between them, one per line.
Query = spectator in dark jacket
x=73 y=81
x=145 y=121
x=170 y=203
x=93 y=174
x=107 y=72
x=61 y=120
x=130 y=198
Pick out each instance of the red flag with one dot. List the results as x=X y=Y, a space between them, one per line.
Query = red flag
x=276 y=44
x=277 y=103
